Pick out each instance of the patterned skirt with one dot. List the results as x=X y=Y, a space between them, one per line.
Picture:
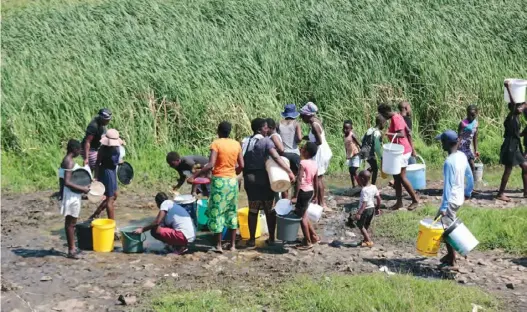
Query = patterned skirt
x=223 y=204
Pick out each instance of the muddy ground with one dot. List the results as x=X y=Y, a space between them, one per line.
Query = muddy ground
x=37 y=277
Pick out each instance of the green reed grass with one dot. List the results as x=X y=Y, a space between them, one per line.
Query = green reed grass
x=172 y=70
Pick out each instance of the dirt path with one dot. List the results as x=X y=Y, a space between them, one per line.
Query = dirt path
x=37 y=277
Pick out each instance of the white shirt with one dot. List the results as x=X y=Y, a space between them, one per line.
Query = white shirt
x=178 y=219
x=367 y=195
x=455 y=170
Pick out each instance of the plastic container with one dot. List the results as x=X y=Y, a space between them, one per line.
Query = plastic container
x=263 y=224
x=517 y=87
x=132 y=243
x=314 y=212
x=188 y=202
x=429 y=237
x=287 y=227
x=416 y=174
x=283 y=207
x=96 y=192
x=478 y=171
x=460 y=238
x=84 y=235
x=277 y=176
x=243 y=222
x=201 y=210
x=392 y=157
x=103 y=234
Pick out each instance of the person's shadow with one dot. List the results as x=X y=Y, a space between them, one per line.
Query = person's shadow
x=37 y=253
x=412 y=266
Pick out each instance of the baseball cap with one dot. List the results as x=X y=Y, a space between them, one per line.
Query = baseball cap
x=448 y=136
x=105 y=114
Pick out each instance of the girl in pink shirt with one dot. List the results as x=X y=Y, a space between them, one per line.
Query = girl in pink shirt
x=306 y=181
x=401 y=133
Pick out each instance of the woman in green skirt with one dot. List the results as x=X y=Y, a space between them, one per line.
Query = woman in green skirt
x=226 y=162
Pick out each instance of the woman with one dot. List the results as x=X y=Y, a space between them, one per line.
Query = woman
x=94 y=133
x=70 y=206
x=400 y=134
x=324 y=154
x=468 y=135
x=290 y=134
x=256 y=150
x=106 y=171
x=277 y=141
x=511 y=153
x=226 y=162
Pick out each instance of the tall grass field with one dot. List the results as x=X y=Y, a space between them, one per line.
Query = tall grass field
x=172 y=70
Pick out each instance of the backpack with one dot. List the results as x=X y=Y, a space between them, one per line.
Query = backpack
x=367 y=150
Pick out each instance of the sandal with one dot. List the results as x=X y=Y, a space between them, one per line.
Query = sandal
x=367 y=244
x=250 y=244
x=180 y=251
x=304 y=247
x=217 y=250
x=270 y=242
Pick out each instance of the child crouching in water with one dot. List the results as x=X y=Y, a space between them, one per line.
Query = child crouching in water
x=305 y=192
x=367 y=207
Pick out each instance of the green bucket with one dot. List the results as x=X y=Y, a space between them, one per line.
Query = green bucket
x=132 y=243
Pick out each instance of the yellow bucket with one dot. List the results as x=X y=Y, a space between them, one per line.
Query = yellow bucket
x=429 y=237
x=103 y=233
x=243 y=221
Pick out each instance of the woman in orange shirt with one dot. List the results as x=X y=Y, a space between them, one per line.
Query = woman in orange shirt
x=226 y=162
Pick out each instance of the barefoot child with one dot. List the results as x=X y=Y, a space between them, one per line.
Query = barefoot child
x=371 y=147
x=468 y=134
x=352 y=146
x=367 y=206
x=70 y=206
x=306 y=188
x=455 y=170
x=511 y=154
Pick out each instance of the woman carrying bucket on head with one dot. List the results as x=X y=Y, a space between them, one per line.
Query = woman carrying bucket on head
x=455 y=190
x=468 y=134
x=399 y=132
x=511 y=154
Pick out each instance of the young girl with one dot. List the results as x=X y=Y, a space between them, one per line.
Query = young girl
x=71 y=201
x=511 y=154
x=324 y=154
x=106 y=171
x=468 y=134
x=370 y=201
x=352 y=147
x=305 y=191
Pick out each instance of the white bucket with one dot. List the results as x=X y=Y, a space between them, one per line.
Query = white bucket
x=517 y=87
x=392 y=158
x=277 y=176
x=314 y=212
x=283 y=207
x=478 y=171
x=263 y=224
x=460 y=238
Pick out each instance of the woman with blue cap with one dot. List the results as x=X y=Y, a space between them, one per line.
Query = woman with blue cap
x=291 y=134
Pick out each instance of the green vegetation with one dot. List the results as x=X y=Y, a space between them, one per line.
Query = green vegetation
x=171 y=70
x=372 y=292
x=503 y=229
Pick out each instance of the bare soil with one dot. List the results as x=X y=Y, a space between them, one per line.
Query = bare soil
x=36 y=276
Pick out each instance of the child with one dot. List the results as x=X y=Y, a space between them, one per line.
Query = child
x=455 y=170
x=468 y=133
x=305 y=191
x=186 y=166
x=106 y=171
x=511 y=153
x=70 y=206
x=371 y=146
x=367 y=207
x=352 y=146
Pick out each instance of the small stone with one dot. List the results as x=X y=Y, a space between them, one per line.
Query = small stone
x=149 y=284
x=46 y=278
x=127 y=300
x=462 y=280
x=175 y=275
x=481 y=262
x=350 y=234
x=509 y=285
x=349 y=269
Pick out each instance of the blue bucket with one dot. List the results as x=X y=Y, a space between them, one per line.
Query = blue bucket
x=416 y=174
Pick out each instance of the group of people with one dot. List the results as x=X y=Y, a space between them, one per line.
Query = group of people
x=306 y=164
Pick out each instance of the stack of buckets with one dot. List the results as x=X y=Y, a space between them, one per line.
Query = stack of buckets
x=456 y=235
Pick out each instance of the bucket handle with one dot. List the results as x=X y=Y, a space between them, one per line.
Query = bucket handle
x=135 y=240
x=478 y=160
x=394 y=136
x=421 y=158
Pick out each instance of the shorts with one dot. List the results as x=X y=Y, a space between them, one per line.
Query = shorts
x=405 y=160
x=92 y=157
x=365 y=218
x=412 y=160
x=302 y=202
x=257 y=186
x=294 y=161
x=257 y=205
x=169 y=236
x=451 y=214
x=469 y=154
x=354 y=161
